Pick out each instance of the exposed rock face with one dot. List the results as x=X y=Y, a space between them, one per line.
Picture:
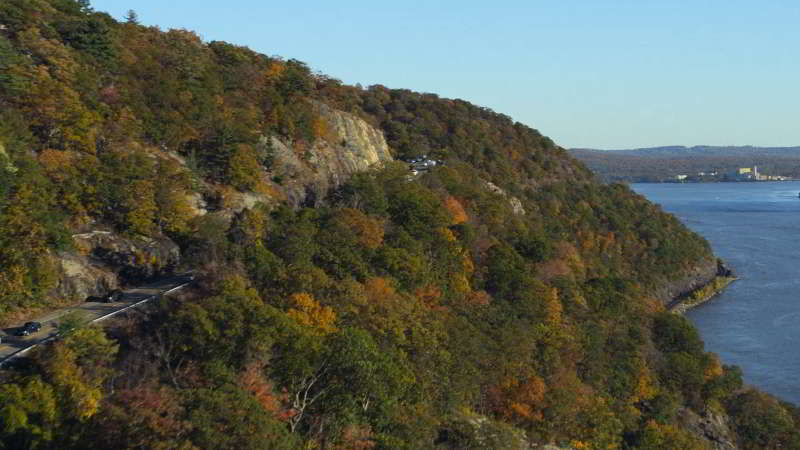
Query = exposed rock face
x=516 y=204
x=351 y=145
x=80 y=279
x=711 y=427
x=132 y=259
x=699 y=276
x=468 y=430
x=106 y=260
x=197 y=204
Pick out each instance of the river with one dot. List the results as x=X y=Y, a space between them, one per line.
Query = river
x=755 y=227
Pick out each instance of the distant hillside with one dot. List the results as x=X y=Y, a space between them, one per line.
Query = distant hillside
x=665 y=163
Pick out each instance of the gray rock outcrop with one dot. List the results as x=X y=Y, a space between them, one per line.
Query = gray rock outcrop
x=80 y=278
x=516 y=204
x=672 y=292
x=350 y=146
x=709 y=426
x=106 y=260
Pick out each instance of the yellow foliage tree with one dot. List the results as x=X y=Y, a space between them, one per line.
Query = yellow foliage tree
x=552 y=307
x=57 y=110
x=252 y=225
x=645 y=387
x=307 y=311
x=319 y=127
x=82 y=400
x=244 y=170
x=714 y=368
x=171 y=197
x=141 y=207
x=25 y=262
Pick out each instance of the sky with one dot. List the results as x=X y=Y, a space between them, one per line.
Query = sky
x=607 y=74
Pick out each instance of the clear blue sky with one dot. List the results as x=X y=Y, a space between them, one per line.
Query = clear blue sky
x=588 y=73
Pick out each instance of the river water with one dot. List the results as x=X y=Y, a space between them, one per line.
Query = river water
x=755 y=227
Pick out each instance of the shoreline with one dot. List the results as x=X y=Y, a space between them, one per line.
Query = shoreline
x=702 y=294
x=710 y=181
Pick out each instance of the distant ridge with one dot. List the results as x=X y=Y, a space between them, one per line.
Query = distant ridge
x=666 y=162
x=700 y=150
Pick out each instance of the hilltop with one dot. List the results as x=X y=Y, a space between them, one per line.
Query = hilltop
x=501 y=299
x=665 y=163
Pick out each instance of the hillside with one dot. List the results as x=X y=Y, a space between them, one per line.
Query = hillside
x=502 y=299
x=665 y=163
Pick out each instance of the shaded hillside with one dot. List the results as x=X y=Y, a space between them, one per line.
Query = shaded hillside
x=664 y=163
x=502 y=300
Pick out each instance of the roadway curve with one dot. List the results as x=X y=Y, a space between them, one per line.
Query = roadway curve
x=13 y=346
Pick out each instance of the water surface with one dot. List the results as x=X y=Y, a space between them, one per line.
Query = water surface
x=755 y=227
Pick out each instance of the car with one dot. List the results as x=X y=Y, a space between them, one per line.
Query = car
x=28 y=328
x=112 y=296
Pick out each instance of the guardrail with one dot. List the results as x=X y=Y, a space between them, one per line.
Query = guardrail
x=25 y=350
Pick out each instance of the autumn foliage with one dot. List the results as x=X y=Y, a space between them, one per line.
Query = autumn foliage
x=401 y=312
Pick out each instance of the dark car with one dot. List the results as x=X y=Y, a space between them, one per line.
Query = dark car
x=113 y=296
x=28 y=328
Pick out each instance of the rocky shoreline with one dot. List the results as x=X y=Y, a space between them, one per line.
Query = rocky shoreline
x=705 y=292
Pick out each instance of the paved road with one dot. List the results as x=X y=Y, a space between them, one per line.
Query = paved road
x=13 y=346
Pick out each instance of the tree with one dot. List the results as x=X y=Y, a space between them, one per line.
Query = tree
x=244 y=170
x=227 y=417
x=171 y=197
x=308 y=312
x=28 y=414
x=362 y=380
x=456 y=209
x=141 y=207
x=77 y=367
x=131 y=17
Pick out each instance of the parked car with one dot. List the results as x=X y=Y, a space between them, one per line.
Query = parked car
x=28 y=328
x=113 y=296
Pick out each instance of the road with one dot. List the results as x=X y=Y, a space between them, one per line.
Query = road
x=13 y=346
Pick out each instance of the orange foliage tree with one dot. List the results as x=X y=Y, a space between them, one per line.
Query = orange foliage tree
x=457 y=212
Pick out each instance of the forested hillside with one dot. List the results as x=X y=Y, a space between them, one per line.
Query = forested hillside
x=503 y=299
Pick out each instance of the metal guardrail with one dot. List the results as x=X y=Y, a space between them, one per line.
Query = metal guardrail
x=25 y=350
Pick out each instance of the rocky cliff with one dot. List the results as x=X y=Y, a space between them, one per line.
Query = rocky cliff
x=105 y=260
x=348 y=145
x=301 y=176
x=674 y=293
x=700 y=275
x=710 y=426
